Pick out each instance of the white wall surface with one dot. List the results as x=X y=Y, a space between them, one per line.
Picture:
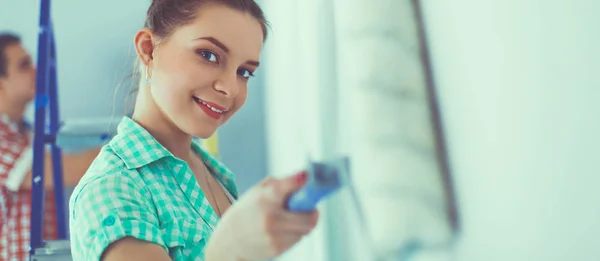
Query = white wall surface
x=520 y=93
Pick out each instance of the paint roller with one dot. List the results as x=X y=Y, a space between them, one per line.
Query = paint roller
x=323 y=180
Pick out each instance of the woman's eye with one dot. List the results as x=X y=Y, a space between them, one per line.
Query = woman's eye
x=245 y=73
x=209 y=56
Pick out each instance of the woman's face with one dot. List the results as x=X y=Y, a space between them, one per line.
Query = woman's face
x=199 y=75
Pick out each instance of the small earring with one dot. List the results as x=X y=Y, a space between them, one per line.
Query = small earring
x=148 y=80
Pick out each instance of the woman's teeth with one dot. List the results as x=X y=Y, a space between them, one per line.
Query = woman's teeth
x=210 y=107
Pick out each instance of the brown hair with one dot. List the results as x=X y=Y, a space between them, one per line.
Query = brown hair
x=6 y=39
x=164 y=16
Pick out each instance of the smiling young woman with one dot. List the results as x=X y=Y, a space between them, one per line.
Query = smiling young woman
x=153 y=193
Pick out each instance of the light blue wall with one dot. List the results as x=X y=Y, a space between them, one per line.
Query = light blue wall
x=93 y=47
x=242 y=139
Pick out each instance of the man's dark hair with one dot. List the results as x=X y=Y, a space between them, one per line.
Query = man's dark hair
x=6 y=39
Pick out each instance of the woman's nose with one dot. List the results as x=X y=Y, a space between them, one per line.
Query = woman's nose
x=227 y=85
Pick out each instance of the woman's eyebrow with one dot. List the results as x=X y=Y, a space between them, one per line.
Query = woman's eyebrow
x=215 y=42
x=225 y=49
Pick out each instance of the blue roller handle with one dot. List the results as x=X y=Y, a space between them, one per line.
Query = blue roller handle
x=323 y=180
x=307 y=198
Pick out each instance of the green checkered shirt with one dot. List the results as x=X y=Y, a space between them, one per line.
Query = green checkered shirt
x=137 y=188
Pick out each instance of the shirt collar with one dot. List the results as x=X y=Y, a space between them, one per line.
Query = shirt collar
x=13 y=127
x=138 y=148
x=223 y=174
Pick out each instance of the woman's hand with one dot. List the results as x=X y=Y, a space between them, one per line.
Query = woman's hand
x=258 y=227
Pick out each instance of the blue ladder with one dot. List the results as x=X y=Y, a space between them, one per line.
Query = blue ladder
x=46 y=97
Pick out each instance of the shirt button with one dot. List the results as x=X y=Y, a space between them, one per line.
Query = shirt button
x=109 y=221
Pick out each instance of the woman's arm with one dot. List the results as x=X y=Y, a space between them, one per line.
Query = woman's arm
x=129 y=248
x=258 y=227
x=216 y=252
x=113 y=218
x=74 y=166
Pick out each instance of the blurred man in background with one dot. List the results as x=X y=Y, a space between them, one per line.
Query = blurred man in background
x=17 y=90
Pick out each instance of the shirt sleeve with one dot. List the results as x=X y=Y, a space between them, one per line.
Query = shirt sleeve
x=15 y=162
x=18 y=172
x=107 y=209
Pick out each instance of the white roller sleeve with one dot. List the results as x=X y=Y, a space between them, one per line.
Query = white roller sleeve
x=387 y=128
x=90 y=126
x=18 y=172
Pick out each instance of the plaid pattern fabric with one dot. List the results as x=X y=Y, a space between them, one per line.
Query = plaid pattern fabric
x=15 y=206
x=137 y=188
